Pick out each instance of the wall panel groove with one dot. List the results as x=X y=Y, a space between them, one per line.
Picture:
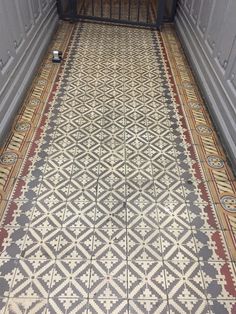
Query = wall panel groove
x=26 y=27
x=208 y=32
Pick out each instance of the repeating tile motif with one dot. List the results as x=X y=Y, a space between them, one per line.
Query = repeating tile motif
x=37 y=102
x=111 y=216
x=211 y=163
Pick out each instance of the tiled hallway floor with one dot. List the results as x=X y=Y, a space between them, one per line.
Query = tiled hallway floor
x=115 y=190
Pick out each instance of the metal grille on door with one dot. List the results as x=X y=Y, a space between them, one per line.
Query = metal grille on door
x=133 y=12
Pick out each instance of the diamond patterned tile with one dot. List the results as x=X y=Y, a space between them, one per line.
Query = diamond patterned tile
x=108 y=279
x=173 y=216
x=179 y=306
x=184 y=280
x=79 y=215
x=148 y=306
x=111 y=211
x=70 y=279
x=112 y=220
x=146 y=280
x=26 y=305
x=109 y=167
x=109 y=244
x=32 y=279
x=107 y=306
x=111 y=180
x=144 y=244
x=41 y=243
x=66 y=305
x=178 y=244
x=85 y=180
x=140 y=219
x=90 y=169
x=75 y=243
x=76 y=194
x=7 y=274
x=110 y=199
x=46 y=217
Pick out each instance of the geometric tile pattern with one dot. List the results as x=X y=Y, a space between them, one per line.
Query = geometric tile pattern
x=109 y=212
x=211 y=164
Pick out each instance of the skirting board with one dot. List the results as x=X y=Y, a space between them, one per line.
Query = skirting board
x=213 y=91
x=18 y=85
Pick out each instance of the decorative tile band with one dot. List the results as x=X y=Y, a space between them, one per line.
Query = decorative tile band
x=209 y=153
x=35 y=103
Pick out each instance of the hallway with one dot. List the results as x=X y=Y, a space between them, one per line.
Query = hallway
x=116 y=194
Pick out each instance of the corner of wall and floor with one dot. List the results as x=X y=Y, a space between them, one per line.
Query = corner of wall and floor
x=26 y=28
x=207 y=30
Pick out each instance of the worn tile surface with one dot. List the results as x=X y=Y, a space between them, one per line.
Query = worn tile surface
x=116 y=196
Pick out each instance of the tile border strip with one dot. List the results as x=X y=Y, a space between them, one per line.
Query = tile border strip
x=15 y=154
x=211 y=158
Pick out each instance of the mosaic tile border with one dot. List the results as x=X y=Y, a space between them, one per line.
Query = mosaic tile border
x=15 y=157
x=211 y=166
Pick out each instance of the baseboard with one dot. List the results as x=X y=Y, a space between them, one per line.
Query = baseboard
x=217 y=101
x=16 y=88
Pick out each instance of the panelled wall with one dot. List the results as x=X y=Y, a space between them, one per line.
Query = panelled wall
x=208 y=31
x=25 y=30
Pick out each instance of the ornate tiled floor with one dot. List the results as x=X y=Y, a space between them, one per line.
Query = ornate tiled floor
x=116 y=196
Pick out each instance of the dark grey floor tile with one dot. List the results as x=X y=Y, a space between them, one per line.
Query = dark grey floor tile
x=108 y=279
x=41 y=243
x=66 y=304
x=148 y=306
x=178 y=244
x=32 y=279
x=139 y=219
x=70 y=279
x=113 y=220
x=190 y=306
x=75 y=243
x=173 y=216
x=184 y=280
x=144 y=245
x=146 y=280
x=109 y=244
x=107 y=306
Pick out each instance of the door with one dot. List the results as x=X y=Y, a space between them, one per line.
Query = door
x=134 y=12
